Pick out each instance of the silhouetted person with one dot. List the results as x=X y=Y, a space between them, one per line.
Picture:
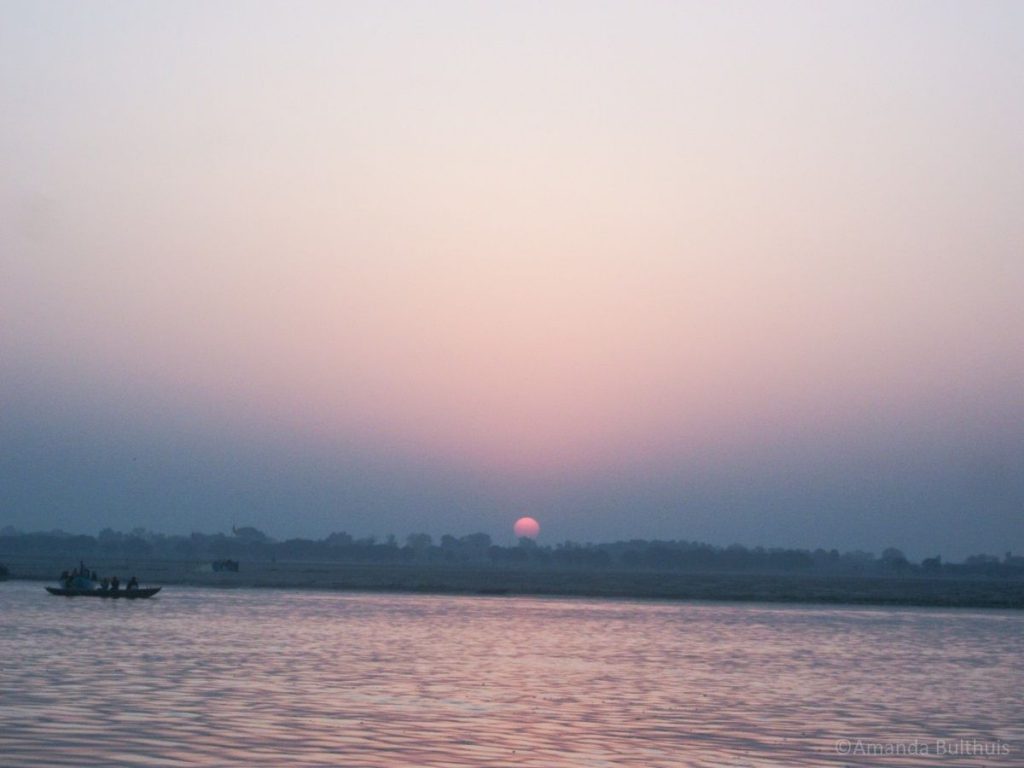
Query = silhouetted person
x=133 y=583
x=115 y=583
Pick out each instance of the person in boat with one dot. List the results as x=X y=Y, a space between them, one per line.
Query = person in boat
x=115 y=583
x=105 y=584
x=133 y=583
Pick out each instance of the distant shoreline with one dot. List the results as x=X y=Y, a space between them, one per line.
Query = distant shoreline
x=791 y=588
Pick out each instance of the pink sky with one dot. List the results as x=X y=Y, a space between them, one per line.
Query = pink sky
x=523 y=240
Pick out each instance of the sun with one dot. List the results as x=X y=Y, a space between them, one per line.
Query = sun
x=526 y=527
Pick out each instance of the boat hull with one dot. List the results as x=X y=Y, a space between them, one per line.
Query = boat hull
x=122 y=594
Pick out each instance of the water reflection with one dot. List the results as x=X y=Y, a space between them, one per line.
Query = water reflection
x=207 y=677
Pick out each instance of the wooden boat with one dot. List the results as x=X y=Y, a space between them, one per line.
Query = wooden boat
x=130 y=594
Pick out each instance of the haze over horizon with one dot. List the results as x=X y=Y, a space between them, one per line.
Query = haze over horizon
x=727 y=272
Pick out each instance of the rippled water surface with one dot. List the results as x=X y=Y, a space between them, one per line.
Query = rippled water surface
x=211 y=677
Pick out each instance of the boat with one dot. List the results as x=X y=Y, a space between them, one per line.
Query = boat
x=128 y=594
x=83 y=582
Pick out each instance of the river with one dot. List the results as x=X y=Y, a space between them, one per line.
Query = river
x=208 y=677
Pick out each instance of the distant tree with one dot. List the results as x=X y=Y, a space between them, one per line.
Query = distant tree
x=895 y=559
x=109 y=538
x=299 y=549
x=984 y=564
x=183 y=547
x=419 y=541
x=982 y=560
x=218 y=545
x=339 y=539
x=134 y=546
x=479 y=541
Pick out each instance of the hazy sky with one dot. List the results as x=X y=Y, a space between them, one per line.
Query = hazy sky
x=736 y=272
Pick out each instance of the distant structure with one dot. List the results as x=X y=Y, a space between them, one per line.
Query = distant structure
x=249 y=534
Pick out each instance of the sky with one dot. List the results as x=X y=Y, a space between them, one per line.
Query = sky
x=732 y=272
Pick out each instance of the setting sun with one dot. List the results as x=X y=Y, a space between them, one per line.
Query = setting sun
x=526 y=527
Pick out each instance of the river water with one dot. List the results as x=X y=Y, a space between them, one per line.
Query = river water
x=212 y=677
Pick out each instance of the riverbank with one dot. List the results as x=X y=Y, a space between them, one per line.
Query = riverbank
x=947 y=592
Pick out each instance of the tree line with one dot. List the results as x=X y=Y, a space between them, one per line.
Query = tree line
x=477 y=549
